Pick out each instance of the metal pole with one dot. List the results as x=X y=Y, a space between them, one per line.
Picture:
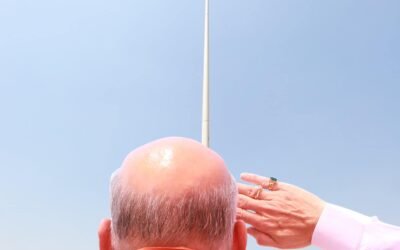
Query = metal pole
x=205 y=130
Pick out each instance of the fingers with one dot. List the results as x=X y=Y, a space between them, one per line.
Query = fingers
x=256 y=220
x=263 y=239
x=253 y=178
x=258 y=206
x=252 y=191
x=248 y=203
x=259 y=180
x=250 y=218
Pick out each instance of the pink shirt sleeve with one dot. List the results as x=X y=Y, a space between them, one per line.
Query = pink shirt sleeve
x=340 y=228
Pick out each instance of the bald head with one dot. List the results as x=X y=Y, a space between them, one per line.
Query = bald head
x=173 y=192
x=173 y=165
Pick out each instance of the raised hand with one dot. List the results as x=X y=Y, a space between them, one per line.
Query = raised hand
x=284 y=217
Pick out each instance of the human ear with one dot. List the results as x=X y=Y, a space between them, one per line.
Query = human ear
x=239 y=236
x=104 y=234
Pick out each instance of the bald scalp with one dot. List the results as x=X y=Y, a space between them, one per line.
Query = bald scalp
x=173 y=163
x=171 y=192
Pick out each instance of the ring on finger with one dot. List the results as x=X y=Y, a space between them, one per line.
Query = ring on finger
x=271 y=184
x=258 y=192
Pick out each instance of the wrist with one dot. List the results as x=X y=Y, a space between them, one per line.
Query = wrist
x=319 y=208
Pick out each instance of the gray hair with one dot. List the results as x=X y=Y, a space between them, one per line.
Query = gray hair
x=205 y=215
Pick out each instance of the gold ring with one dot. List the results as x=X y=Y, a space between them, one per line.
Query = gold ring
x=258 y=192
x=272 y=183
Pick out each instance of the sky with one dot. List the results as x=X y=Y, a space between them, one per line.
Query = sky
x=306 y=91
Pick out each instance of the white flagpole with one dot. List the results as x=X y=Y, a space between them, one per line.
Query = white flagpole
x=205 y=130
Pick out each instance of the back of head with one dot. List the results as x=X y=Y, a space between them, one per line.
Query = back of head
x=173 y=192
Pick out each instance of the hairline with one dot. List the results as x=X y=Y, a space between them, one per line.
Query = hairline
x=226 y=191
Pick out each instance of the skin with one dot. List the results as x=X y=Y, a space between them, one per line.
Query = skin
x=283 y=218
x=173 y=165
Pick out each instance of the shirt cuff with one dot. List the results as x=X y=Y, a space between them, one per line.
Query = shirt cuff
x=339 y=228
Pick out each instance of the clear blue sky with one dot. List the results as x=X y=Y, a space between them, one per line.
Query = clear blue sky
x=307 y=91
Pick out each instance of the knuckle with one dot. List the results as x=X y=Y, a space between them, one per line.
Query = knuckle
x=262 y=223
x=250 y=192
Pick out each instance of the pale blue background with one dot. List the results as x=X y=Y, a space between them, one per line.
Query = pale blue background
x=307 y=91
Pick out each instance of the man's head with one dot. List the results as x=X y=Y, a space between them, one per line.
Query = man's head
x=173 y=192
